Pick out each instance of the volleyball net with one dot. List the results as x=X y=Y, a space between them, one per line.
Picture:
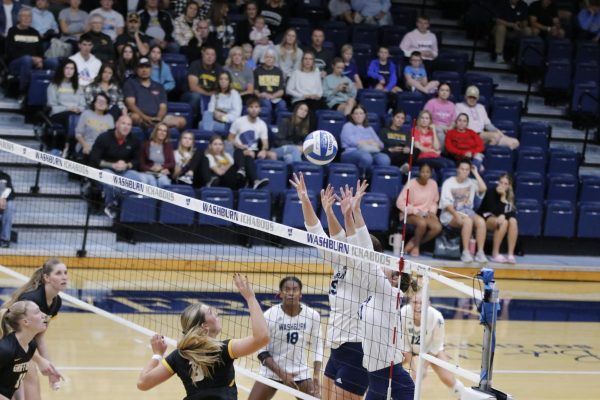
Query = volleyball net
x=142 y=274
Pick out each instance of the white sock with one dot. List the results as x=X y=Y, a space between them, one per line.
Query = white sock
x=458 y=389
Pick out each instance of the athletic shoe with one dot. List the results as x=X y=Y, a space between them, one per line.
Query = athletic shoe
x=466 y=257
x=5 y=244
x=260 y=183
x=214 y=181
x=185 y=179
x=500 y=58
x=500 y=259
x=480 y=257
x=511 y=260
x=111 y=211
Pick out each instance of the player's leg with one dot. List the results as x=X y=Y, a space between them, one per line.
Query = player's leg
x=434 y=228
x=448 y=377
x=306 y=386
x=328 y=389
x=352 y=379
x=31 y=383
x=260 y=391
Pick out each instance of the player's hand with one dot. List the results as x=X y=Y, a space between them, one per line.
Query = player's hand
x=288 y=379
x=346 y=199
x=298 y=183
x=327 y=198
x=361 y=188
x=157 y=342
x=316 y=391
x=241 y=282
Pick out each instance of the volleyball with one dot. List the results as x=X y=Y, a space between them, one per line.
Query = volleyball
x=320 y=147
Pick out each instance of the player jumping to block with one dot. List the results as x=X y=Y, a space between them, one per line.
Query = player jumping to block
x=345 y=377
x=434 y=341
x=293 y=328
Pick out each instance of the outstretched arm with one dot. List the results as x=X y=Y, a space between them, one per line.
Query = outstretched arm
x=327 y=202
x=346 y=201
x=260 y=330
x=310 y=217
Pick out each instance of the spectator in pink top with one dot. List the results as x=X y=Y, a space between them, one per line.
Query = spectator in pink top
x=421 y=40
x=421 y=210
x=443 y=112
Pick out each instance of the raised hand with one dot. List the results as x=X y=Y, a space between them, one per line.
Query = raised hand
x=241 y=282
x=327 y=198
x=346 y=199
x=298 y=183
x=157 y=342
x=360 y=191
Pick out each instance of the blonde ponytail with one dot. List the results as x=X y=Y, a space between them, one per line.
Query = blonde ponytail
x=11 y=315
x=36 y=280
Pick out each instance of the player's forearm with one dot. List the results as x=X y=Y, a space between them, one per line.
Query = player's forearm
x=317 y=368
x=42 y=347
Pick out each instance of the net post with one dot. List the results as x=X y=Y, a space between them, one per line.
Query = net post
x=488 y=314
x=83 y=252
x=423 y=333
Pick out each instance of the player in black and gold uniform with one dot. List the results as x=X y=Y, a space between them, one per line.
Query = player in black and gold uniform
x=42 y=288
x=19 y=325
x=203 y=363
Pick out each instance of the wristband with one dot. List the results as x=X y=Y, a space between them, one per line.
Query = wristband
x=157 y=357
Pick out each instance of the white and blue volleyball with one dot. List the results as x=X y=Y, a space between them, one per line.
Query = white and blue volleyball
x=320 y=147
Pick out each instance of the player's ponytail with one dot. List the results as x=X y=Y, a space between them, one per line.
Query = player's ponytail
x=11 y=315
x=36 y=280
x=196 y=345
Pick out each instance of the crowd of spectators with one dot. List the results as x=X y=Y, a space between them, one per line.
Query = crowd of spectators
x=247 y=67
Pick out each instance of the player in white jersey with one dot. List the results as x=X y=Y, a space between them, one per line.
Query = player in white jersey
x=379 y=314
x=293 y=328
x=345 y=377
x=434 y=341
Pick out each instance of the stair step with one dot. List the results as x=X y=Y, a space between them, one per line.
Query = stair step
x=12 y=119
x=23 y=130
x=52 y=212
x=52 y=181
x=7 y=103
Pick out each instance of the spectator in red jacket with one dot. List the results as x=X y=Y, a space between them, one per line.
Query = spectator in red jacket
x=463 y=142
x=157 y=161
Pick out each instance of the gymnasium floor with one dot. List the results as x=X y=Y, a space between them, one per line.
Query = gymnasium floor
x=548 y=334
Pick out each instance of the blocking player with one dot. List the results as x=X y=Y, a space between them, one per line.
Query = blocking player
x=345 y=377
x=42 y=288
x=20 y=323
x=434 y=341
x=293 y=327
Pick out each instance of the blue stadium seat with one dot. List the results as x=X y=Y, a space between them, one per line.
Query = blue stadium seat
x=535 y=134
x=363 y=54
x=373 y=100
x=411 y=102
x=341 y=174
x=447 y=173
x=587 y=51
x=139 y=133
x=403 y=15
x=375 y=208
x=386 y=180
x=562 y=187
x=365 y=33
x=452 y=78
x=331 y=121
x=559 y=49
x=397 y=57
x=391 y=35
x=531 y=52
x=303 y=29
x=201 y=138
x=529 y=185
x=179 y=69
x=175 y=215
x=531 y=159
x=181 y=109
x=38 y=86
x=137 y=209
x=529 y=217
x=451 y=60
x=336 y=32
x=507 y=126
x=313 y=175
x=590 y=188
x=174 y=134
x=220 y=196
x=563 y=161
x=499 y=158
x=292 y=209
x=507 y=109
x=554 y=79
x=374 y=121
x=282 y=115
x=276 y=171
x=560 y=219
x=586 y=72
x=483 y=82
x=73 y=121
x=589 y=220
x=255 y=202
x=491 y=177
x=584 y=99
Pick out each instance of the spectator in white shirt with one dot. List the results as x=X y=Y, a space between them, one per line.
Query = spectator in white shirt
x=421 y=40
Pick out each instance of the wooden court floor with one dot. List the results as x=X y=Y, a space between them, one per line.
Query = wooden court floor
x=534 y=360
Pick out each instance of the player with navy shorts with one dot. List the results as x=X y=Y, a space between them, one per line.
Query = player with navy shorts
x=20 y=324
x=43 y=288
x=294 y=328
x=378 y=313
x=434 y=341
x=344 y=373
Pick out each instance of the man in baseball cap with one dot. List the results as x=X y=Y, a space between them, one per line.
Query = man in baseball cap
x=133 y=36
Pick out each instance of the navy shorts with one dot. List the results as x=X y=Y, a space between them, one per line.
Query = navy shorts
x=403 y=387
x=346 y=369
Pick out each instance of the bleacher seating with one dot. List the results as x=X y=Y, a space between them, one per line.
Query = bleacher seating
x=313 y=175
x=563 y=161
x=532 y=159
x=366 y=34
x=589 y=220
x=277 y=173
x=560 y=219
x=375 y=208
x=342 y=174
x=499 y=158
x=292 y=209
x=387 y=180
x=562 y=187
x=137 y=209
x=530 y=185
x=255 y=202
x=529 y=217
x=175 y=215
x=590 y=188
x=535 y=134
x=373 y=100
